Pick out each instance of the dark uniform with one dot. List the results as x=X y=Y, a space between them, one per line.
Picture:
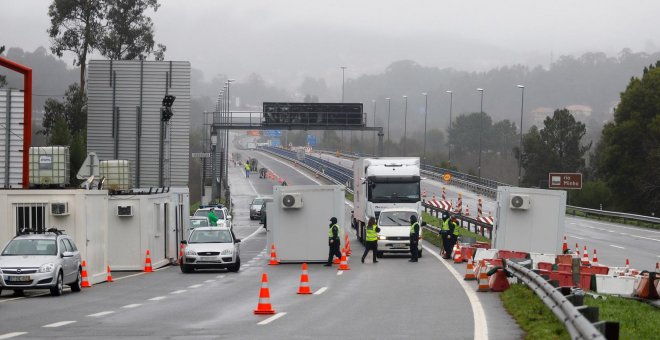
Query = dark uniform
x=371 y=241
x=333 y=241
x=450 y=231
x=414 y=238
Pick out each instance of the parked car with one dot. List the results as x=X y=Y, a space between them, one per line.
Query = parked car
x=255 y=206
x=211 y=248
x=224 y=218
x=47 y=260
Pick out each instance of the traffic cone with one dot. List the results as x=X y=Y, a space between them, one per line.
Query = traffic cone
x=458 y=257
x=577 y=249
x=585 y=255
x=304 y=281
x=627 y=264
x=343 y=265
x=657 y=267
x=564 y=247
x=482 y=280
x=180 y=254
x=147 y=263
x=109 y=277
x=469 y=272
x=467 y=210
x=85 y=281
x=273 y=256
x=264 y=306
x=595 y=260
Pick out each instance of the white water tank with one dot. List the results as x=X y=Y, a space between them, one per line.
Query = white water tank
x=49 y=165
x=117 y=174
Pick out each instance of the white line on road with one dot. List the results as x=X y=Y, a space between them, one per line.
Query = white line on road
x=133 y=305
x=158 y=298
x=321 y=290
x=254 y=233
x=196 y=286
x=11 y=335
x=209 y=281
x=58 y=324
x=220 y=276
x=96 y=315
x=272 y=318
x=178 y=291
x=480 y=324
x=615 y=246
x=127 y=276
x=340 y=272
x=577 y=237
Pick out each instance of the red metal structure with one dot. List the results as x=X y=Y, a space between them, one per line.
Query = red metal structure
x=27 y=111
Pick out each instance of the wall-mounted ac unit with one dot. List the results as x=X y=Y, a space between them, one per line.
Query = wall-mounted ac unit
x=59 y=209
x=292 y=200
x=125 y=210
x=520 y=202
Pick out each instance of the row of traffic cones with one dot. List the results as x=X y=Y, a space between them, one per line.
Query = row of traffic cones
x=343 y=262
x=85 y=277
x=585 y=253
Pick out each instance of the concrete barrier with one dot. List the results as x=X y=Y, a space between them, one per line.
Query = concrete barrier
x=619 y=285
x=537 y=257
x=485 y=254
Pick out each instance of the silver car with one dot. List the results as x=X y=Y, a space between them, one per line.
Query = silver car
x=211 y=248
x=41 y=261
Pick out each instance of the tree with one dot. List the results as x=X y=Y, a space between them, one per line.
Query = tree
x=60 y=134
x=555 y=148
x=128 y=32
x=76 y=26
x=629 y=149
x=73 y=110
x=465 y=132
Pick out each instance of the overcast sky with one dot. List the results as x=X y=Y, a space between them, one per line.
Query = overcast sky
x=286 y=40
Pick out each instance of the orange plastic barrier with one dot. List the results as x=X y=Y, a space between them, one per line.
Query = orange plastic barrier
x=509 y=254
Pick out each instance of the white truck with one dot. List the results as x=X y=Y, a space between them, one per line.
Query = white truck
x=391 y=183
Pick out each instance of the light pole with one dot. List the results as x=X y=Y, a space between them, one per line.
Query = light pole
x=373 y=138
x=481 y=113
x=405 y=124
x=451 y=102
x=343 y=68
x=520 y=148
x=388 y=119
x=225 y=160
x=426 y=111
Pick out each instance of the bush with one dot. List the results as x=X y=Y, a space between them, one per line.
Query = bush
x=592 y=195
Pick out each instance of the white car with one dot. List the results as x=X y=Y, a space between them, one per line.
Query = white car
x=394 y=235
x=224 y=219
x=211 y=248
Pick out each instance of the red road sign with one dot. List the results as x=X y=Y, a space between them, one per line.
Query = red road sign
x=563 y=180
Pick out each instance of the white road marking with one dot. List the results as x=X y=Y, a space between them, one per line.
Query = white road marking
x=133 y=305
x=321 y=290
x=58 y=324
x=100 y=314
x=158 y=298
x=209 y=281
x=289 y=165
x=11 y=335
x=220 y=276
x=196 y=286
x=341 y=272
x=615 y=246
x=31 y=296
x=179 y=291
x=577 y=237
x=272 y=318
x=254 y=233
x=480 y=324
x=127 y=276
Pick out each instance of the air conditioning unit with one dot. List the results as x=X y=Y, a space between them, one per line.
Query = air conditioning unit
x=59 y=209
x=520 y=202
x=292 y=200
x=125 y=210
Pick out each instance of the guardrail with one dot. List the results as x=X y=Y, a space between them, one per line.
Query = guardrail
x=465 y=221
x=621 y=215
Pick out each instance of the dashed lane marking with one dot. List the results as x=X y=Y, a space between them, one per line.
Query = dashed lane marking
x=341 y=272
x=196 y=286
x=11 y=335
x=220 y=276
x=96 y=315
x=179 y=291
x=577 y=237
x=209 y=281
x=615 y=246
x=272 y=318
x=58 y=324
x=133 y=305
x=478 y=314
x=158 y=298
x=321 y=291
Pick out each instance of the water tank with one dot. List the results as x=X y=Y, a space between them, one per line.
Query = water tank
x=49 y=166
x=117 y=174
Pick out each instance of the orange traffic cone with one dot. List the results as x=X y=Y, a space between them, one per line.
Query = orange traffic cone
x=273 y=256
x=627 y=264
x=482 y=280
x=657 y=267
x=180 y=254
x=564 y=247
x=458 y=257
x=467 y=210
x=343 y=265
x=264 y=306
x=595 y=260
x=304 y=281
x=147 y=263
x=585 y=255
x=469 y=272
x=85 y=281
x=109 y=277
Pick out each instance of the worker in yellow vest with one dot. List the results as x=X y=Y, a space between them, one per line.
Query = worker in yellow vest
x=414 y=238
x=333 y=241
x=372 y=239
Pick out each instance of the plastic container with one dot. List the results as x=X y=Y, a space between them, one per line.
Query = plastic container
x=510 y=254
x=117 y=174
x=620 y=285
x=49 y=166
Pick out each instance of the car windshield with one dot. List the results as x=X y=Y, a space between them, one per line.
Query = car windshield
x=199 y=223
x=204 y=213
x=258 y=201
x=19 y=247
x=394 y=218
x=210 y=236
x=393 y=192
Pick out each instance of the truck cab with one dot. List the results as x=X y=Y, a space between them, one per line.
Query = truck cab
x=394 y=235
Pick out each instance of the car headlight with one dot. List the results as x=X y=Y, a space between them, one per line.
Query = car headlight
x=190 y=252
x=382 y=237
x=226 y=252
x=47 y=268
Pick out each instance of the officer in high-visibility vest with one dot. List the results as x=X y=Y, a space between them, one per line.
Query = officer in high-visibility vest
x=333 y=241
x=372 y=239
x=414 y=238
x=454 y=231
x=247 y=169
x=445 y=233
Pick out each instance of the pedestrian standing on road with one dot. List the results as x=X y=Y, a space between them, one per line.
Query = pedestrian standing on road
x=213 y=218
x=372 y=239
x=414 y=238
x=333 y=241
x=247 y=169
x=445 y=233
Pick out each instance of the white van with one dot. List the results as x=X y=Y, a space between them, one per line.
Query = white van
x=394 y=235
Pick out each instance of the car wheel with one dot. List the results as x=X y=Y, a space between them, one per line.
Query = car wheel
x=59 y=286
x=236 y=266
x=185 y=268
x=76 y=286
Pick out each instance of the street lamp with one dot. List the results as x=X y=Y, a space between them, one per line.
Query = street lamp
x=214 y=176
x=451 y=102
x=520 y=148
x=405 y=125
x=388 y=118
x=426 y=109
x=373 y=138
x=343 y=68
x=481 y=113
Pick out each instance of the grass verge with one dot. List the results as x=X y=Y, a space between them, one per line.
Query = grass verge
x=432 y=220
x=637 y=320
x=532 y=315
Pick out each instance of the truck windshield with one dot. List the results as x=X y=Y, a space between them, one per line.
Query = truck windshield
x=395 y=218
x=393 y=192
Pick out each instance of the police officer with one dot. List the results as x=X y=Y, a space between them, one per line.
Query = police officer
x=414 y=238
x=454 y=231
x=372 y=239
x=247 y=169
x=333 y=241
x=446 y=236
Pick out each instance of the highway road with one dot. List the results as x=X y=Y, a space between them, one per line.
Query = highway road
x=393 y=299
x=614 y=242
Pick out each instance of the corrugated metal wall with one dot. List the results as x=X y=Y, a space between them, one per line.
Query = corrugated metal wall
x=135 y=86
x=11 y=138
